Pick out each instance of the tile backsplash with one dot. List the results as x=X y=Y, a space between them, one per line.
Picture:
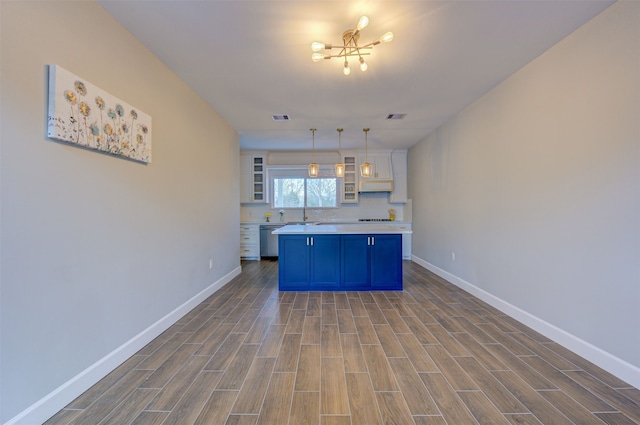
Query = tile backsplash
x=370 y=205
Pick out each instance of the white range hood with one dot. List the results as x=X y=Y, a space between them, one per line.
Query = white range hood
x=376 y=185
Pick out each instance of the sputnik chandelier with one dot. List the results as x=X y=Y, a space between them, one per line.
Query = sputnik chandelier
x=350 y=47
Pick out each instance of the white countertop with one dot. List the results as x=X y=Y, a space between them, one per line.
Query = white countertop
x=340 y=229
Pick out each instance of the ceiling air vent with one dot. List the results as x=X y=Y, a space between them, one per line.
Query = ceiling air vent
x=280 y=117
x=396 y=116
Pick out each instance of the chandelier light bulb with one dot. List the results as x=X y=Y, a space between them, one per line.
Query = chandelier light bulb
x=362 y=23
x=346 y=70
x=387 y=37
x=363 y=65
x=317 y=57
x=316 y=46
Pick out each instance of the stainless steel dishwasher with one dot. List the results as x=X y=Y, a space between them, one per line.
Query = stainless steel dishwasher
x=269 y=241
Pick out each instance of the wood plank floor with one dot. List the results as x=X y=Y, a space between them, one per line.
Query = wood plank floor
x=429 y=355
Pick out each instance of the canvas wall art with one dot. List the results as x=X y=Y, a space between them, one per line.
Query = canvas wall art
x=82 y=114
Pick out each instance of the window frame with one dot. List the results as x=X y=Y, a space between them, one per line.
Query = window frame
x=298 y=172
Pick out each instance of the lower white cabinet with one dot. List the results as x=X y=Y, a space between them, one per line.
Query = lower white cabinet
x=250 y=241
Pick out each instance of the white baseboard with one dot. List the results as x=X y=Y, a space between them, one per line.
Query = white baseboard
x=53 y=402
x=612 y=364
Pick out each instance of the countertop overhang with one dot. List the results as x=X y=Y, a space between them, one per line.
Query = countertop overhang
x=340 y=229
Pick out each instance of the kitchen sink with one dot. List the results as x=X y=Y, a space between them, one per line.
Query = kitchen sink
x=303 y=223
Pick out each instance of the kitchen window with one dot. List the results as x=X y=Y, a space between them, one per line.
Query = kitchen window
x=293 y=189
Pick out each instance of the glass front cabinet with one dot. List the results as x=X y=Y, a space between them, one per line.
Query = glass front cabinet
x=253 y=187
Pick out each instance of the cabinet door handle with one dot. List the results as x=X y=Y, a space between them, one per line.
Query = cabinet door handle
x=311 y=240
x=373 y=240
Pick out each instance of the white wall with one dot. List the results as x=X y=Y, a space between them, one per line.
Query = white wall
x=536 y=189
x=95 y=248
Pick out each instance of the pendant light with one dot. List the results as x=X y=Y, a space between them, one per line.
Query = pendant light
x=340 y=165
x=366 y=168
x=313 y=167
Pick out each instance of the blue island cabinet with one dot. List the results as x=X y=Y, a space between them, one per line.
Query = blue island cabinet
x=371 y=262
x=308 y=263
x=386 y=262
x=340 y=262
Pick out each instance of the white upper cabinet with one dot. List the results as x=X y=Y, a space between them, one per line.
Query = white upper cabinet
x=253 y=183
x=381 y=165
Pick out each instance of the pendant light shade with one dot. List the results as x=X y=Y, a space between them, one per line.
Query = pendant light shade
x=314 y=169
x=366 y=168
x=340 y=165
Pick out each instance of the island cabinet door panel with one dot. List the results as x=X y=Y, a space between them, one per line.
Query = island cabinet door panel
x=293 y=262
x=325 y=262
x=356 y=262
x=386 y=262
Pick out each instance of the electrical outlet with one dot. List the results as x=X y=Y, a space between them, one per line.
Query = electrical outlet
x=453 y=256
x=210 y=264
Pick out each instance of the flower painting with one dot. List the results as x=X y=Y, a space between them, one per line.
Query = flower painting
x=82 y=114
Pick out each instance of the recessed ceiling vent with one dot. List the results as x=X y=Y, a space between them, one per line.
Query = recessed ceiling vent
x=280 y=117
x=396 y=116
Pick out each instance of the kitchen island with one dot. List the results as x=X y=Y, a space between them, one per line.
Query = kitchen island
x=328 y=257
